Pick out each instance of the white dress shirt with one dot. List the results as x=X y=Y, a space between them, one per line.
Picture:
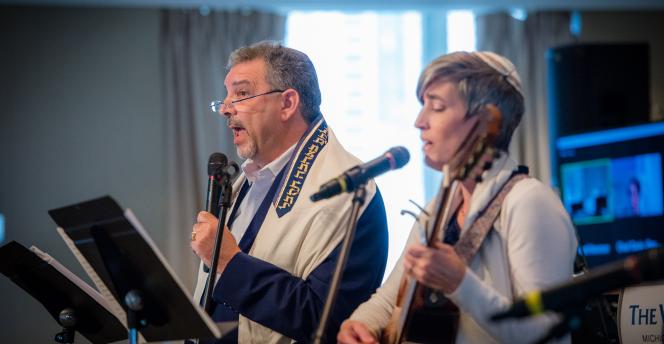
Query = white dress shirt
x=260 y=180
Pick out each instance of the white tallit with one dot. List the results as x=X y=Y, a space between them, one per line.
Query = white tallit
x=302 y=238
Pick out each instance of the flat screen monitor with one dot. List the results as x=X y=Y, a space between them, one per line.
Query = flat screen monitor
x=611 y=184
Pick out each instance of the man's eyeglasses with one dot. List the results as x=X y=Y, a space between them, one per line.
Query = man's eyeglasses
x=217 y=106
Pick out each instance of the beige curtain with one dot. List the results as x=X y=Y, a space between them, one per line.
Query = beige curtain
x=525 y=43
x=195 y=48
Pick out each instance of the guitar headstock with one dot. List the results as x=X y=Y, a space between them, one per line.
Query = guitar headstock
x=478 y=147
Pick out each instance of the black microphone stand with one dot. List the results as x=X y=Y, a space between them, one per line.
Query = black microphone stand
x=358 y=200
x=225 y=204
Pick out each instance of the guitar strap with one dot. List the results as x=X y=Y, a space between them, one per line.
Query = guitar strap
x=471 y=239
x=436 y=311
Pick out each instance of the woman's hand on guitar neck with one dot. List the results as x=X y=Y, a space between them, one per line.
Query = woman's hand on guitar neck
x=437 y=267
x=355 y=332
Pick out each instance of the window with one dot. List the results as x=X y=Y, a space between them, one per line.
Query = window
x=460 y=31
x=368 y=64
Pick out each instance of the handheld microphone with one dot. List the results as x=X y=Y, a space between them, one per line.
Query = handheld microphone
x=647 y=266
x=216 y=165
x=221 y=171
x=395 y=157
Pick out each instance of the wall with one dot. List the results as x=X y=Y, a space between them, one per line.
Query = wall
x=80 y=117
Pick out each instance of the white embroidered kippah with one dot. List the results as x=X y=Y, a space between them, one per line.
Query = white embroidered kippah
x=503 y=66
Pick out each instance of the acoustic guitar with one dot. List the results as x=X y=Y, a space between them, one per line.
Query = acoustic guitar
x=423 y=315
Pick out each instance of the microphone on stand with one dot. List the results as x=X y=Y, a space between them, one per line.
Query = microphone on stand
x=394 y=158
x=647 y=266
x=216 y=165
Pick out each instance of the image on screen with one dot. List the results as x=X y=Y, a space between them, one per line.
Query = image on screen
x=587 y=190
x=611 y=184
x=602 y=190
x=637 y=186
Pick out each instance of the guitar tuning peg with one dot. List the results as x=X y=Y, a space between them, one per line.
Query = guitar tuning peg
x=422 y=223
x=415 y=216
x=487 y=165
x=478 y=179
x=404 y=212
x=419 y=207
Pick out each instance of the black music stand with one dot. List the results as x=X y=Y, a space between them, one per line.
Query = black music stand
x=62 y=294
x=132 y=267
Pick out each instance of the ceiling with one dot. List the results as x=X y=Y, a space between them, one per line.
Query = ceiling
x=285 y=5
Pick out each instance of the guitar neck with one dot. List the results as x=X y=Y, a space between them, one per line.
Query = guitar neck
x=443 y=212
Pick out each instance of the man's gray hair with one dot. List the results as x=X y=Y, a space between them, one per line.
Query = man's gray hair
x=482 y=78
x=286 y=68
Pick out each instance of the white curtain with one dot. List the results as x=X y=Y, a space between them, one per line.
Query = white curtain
x=195 y=48
x=525 y=42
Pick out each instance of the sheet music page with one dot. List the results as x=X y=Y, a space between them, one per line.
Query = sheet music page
x=75 y=279
x=139 y=228
x=115 y=307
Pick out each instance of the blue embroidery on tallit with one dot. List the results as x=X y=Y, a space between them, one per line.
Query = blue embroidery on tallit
x=299 y=168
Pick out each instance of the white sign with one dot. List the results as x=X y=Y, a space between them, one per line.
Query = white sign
x=641 y=314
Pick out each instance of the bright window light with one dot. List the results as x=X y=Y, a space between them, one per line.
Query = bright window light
x=368 y=64
x=461 y=31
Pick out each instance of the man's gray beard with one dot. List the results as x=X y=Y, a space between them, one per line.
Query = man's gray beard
x=249 y=152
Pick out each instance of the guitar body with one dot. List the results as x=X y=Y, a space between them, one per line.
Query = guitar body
x=423 y=315
x=433 y=318
x=429 y=317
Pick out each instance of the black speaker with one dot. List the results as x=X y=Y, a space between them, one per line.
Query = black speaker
x=598 y=86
